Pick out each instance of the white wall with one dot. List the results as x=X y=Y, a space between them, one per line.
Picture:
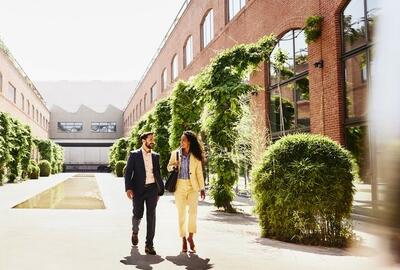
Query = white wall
x=86 y=155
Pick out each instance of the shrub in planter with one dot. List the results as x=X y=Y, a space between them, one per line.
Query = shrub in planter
x=33 y=172
x=303 y=191
x=45 y=168
x=119 y=167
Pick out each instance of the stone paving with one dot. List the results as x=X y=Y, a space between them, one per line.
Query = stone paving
x=100 y=239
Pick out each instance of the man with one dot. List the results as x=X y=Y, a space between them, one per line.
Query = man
x=143 y=184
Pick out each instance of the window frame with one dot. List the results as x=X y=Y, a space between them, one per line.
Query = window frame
x=297 y=76
x=173 y=62
x=185 y=53
x=212 y=30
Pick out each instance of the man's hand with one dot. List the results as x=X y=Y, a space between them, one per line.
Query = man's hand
x=130 y=194
x=202 y=195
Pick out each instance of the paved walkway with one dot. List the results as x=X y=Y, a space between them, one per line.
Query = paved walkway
x=100 y=239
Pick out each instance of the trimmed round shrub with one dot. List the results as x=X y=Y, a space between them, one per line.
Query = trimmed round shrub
x=33 y=172
x=45 y=168
x=304 y=190
x=119 y=168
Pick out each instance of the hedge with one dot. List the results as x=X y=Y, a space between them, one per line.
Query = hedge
x=119 y=168
x=45 y=167
x=304 y=190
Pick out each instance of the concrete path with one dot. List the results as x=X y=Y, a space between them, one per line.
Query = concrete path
x=100 y=239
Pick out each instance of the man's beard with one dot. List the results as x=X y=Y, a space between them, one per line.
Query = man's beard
x=150 y=145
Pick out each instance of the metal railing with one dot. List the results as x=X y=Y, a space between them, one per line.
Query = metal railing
x=160 y=47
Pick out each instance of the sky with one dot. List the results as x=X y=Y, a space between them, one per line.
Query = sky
x=83 y=40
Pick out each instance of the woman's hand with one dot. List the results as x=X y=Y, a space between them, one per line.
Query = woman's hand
x=176 y=165
x=202 y=194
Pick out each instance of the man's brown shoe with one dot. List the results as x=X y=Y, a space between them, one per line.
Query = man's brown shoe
x=135 y=239
x=150 y=250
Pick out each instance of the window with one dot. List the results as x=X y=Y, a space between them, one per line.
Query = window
x=22 y=102
x=33 y=113
x=234 y=6
x=153 y=93
x=358 y=27
x=145 y=102
x=133 y=115
x=141 y=107
x=289 y=87
x=207 y=29
x=174 y=68
x=69 y=127
x=164 y=80
x=104 y=127
x=41 y=119
x=28 y=105
x=188 y=52
x=137 y=112
x=37 y=115
x=11 y=93
x=1 y=82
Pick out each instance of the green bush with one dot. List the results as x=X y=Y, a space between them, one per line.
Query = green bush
x=33 y=171
x=162 y=115
x=45 y=167
x=119 y=168
x=33 y=162
x=5 y=145
x=303 y=191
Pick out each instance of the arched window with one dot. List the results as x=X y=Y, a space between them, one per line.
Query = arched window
x=164 y=80
x=22 y=102
x=234 y=6
x=174 y=68
x=145 y=103
x=358 y=29
x=137 y=112
x=289 y=86
x=207 y=28
x=141 y=107
x=188 y=52
x=28 y=105
x=153 y=93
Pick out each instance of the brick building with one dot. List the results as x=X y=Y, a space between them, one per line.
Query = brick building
x=326 y=90
x=19 y=96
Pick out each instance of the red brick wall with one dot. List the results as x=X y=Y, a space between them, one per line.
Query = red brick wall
x=259 y=18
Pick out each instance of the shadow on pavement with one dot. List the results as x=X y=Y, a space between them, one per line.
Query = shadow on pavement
x=191 y=261
x=361 y=251
x=236 y=218
x=141 y=261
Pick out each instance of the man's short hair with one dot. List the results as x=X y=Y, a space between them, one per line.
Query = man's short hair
x=145 y=135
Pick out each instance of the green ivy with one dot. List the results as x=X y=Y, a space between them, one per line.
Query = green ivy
x=313 y=28
x=222 y=85
x=186 y=109
x=118 y=152
x=162 y=118
x=51 y=152
x=27 y=147
x=5 y=157
x=134 y=138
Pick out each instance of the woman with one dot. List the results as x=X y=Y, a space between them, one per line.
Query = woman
x=190 y=183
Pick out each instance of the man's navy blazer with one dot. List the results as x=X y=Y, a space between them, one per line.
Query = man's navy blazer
x=135 y=174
